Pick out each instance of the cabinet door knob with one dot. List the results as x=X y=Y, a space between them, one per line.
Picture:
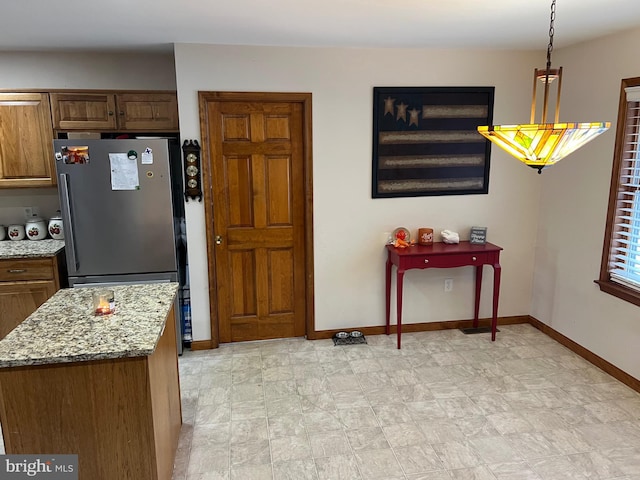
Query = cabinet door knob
x=426 y=260
x=110 y=114
x=122 y=114
x=218 y=239
x=473 y=258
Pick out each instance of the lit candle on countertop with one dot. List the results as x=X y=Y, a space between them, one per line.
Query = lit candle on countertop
x=103 y=302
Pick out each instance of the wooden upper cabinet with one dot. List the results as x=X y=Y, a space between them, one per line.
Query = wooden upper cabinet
x=84 y=111
x=26 y=136
x=109 y=111
x=147 y=111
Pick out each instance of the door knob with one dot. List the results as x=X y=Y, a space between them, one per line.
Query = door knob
x=218 y=239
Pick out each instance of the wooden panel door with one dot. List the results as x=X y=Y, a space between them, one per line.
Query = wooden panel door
x=83 y=111
x=255 y=151
x=26 y=136
x=18 y=300
x=148 y=111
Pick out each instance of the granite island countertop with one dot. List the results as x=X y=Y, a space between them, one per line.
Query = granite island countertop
x=64 y=328
x=29 y=248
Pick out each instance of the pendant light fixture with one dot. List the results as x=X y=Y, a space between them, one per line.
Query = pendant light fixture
x=540 y=145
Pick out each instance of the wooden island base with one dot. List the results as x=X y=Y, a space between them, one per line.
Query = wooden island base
x=121 y=416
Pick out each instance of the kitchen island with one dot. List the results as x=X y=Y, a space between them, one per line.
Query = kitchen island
x=103 y=387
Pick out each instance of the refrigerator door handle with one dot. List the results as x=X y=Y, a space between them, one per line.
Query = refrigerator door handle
x=68 y=225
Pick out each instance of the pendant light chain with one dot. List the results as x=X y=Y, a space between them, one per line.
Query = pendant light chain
x=548 y=70
x=551 y=32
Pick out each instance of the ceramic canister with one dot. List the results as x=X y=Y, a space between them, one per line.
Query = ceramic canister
x=55 y=228
x=36 y=229
x=425 y=236
x=16 y=232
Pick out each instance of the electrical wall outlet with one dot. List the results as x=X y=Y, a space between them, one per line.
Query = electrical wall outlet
x=30 y=212
x=448 y=284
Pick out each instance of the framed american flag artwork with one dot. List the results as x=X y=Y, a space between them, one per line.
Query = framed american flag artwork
x=426 y=142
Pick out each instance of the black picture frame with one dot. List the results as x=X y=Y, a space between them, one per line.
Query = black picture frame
x=426 y=142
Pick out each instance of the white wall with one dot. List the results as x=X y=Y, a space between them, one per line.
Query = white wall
x=89 y=70
x=93 y=70
x=574 y=206
x=350 y=226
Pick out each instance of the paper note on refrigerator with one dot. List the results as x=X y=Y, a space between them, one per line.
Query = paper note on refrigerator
x=147 y=156
x=124 y=172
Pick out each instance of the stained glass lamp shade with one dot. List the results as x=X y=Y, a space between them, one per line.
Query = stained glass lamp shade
x=542 y=145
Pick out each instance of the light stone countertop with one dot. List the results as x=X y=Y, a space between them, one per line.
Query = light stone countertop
x=29 y=248
x=64 y=328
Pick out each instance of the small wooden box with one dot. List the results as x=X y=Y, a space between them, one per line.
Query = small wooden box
x=478 y=235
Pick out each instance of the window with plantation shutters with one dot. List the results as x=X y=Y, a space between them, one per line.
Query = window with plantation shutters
x=620 y=269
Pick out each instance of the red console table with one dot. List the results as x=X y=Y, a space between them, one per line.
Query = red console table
x=442 y=255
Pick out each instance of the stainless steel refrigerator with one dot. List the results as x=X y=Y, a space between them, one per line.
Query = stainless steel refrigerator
x=122 y=210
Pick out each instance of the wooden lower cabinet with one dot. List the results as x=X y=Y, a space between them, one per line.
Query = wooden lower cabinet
x=25 y=284
x=122 y=416
x=18 y=300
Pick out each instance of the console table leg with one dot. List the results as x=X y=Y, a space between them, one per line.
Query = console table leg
x=388 y=295
x=399 y=279
x=497 y=269
x=476 y=308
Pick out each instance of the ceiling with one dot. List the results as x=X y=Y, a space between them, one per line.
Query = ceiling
x=157 y=24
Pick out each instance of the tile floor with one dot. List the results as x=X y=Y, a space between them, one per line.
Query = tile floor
x=446 y=406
